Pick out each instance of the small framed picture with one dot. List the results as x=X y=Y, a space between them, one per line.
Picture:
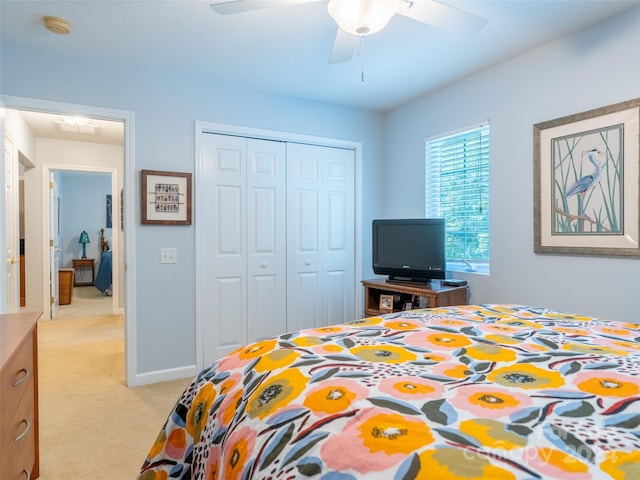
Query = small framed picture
x=166 y=198
x=386 y=303
x=407 y=306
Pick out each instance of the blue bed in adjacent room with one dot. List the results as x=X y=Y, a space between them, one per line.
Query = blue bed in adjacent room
x=104 y=277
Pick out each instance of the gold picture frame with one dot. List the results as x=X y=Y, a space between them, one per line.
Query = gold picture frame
x=587 y=182
x=166 y=198
x=386 y=303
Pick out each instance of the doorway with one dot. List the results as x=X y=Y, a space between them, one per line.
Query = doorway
x=36 y=224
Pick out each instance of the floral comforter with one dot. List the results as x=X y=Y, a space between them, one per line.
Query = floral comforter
x=470 y=392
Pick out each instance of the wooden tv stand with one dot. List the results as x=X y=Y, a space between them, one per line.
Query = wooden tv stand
x=421 y=296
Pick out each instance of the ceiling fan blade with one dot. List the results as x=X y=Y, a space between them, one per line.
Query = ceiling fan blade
x=229 y=7
x=343 y=47
x=439 y=15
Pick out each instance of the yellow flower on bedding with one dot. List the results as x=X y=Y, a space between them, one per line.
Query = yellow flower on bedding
x=491 y=353
x=276 y=392
x=254 y=350
x=199 y=411
x=627 y=345
x=516 y=322
x=597 y=349
x=607 y=384
x=276 y=359
x=334 y=395
x=306 y=341
x=526 y=376
x=571 y=330
x=402 y=325
x=554 y=463
x=158 y=445
x=365 y=322
x=621 y=465
x=383 y=354
x=502 y=339
x=492 y=434
x=457 y=464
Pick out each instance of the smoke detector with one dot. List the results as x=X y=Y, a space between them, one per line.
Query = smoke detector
x=57 y=25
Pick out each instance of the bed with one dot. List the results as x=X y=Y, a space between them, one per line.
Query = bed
x=467 y=392
x=104 y=277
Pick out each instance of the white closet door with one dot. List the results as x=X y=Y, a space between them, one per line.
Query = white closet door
x=339 y=235
x=225 y=261
x=266 y=238
x=245 y=218
x=320 y=236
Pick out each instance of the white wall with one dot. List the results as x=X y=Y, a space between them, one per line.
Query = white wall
x=593 y=68
x=166 y=104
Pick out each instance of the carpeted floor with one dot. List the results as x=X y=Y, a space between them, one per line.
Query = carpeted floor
x=91 y=425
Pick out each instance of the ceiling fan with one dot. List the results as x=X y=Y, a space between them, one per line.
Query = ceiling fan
x=357 y=18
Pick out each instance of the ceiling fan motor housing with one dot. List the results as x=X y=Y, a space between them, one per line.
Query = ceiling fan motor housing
x=362 y=17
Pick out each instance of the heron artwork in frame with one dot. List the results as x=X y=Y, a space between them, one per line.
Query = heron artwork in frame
x=586 y=182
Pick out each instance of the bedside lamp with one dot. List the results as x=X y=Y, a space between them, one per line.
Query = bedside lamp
x=84 y=239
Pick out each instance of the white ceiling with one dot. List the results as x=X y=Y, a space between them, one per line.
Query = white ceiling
x=284 y=50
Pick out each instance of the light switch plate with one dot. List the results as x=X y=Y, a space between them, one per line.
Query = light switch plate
x=168 y=255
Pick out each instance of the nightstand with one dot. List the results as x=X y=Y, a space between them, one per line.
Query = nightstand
x=82 y=266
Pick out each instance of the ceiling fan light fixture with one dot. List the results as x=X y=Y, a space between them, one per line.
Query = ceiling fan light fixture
x=75 y=120
x=362 y=17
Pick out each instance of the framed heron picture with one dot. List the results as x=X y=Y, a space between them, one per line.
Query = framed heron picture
x=586 y=182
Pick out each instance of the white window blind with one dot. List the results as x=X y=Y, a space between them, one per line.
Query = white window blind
x=457 y=189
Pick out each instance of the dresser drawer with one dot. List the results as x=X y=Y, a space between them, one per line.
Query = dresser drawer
x=19 y=441
x=16 y=376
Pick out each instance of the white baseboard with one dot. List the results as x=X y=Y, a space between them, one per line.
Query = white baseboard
x=163 y=376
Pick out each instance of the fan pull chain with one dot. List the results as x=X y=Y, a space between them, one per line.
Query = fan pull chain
x=360 y=48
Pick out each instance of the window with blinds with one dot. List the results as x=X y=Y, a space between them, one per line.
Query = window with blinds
x=457 y=189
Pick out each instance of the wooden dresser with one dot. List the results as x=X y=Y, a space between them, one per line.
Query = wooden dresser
x=19 y=455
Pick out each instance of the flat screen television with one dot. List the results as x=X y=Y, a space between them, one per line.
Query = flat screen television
x=409 y=250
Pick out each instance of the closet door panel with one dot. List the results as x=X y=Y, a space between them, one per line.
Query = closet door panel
x=229 y=311
x=266 y=238
x=224 y=225
x=304 y=250
x=339 y=229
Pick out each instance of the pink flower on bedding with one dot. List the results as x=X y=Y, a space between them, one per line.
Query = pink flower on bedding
x=454 y=323
x=326 y=331
x=486 y=401
x=410 y=388
x=212 y=468
x=237 y=452
x=375 y=440
x=437 y=341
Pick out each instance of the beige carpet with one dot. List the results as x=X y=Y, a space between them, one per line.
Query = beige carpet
x=91 y=425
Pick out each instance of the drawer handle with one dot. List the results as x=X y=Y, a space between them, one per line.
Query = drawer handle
x=26 y=430
x=27 y=475
x=25 y=374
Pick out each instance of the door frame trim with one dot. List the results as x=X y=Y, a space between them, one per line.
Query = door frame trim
x=129 y=177
x=202 y=128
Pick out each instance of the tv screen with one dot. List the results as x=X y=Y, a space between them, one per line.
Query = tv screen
x=409 y=250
